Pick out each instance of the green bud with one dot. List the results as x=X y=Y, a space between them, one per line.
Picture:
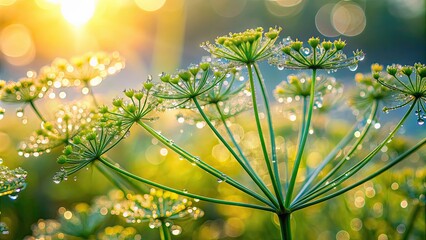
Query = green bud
x=205 y=66
x=139 y=95
x=313 y=42
x=48 y=126
x=422 y=72
x=131 y=108
x=103 y=109
x=67 y=150
x=148 y=85
x=218 y=74
x=392 y=70
x=76 y=140
x=221 y=40
x=118 y=102
x=61 y=159
x=407 y=70
x=194 y=70
x=326 y=45
x=175 y=80
x=339 y=44
x=165 y=78
x=185 y=76
x=296 y=45
x=91 y=136
x=129 y=93
x=286 y=50
x=376 y=75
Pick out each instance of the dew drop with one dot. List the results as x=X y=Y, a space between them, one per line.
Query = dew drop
x=1 y=114
x=420 y=121
x=20 y=112
x=306 y=51
x=360 y=57
x=176 y=230
x=353 y=67
x=280 y=67
x=1 y=161
x=185 y=190
x=13 y=196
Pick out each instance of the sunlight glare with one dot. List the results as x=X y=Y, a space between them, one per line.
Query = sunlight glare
x=78 y=12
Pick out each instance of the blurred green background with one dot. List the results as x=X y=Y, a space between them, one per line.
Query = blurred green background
x=162 y=35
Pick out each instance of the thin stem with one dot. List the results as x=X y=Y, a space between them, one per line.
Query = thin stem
x=261 y=137
x=271 y=134
x=245 y=165
x=285 y=226
x=414 y=213
x=183 y=193
x=354 y=169
x=164 y=231
x=326 y=160
x=347 y=156
x=380 y=171
x=302 y=141
x=33 y=106
x=206 y=167
x=92 y=95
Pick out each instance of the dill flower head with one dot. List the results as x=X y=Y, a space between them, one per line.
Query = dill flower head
x=88 y=146
x=89 y=69
x=69 y=121
x=180 y=88
x=137 y=105
x=155 y=207
x=245 y=47
x=11 y=181
x=118 y=232
x=408 y=83
x=368 y=90
x=298 y=87
x=293 y=54
x=25 y=90
x=227 y=99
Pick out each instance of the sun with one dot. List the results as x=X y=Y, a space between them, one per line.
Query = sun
x=78 y=12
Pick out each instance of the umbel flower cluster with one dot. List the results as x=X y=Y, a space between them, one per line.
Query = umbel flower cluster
x=216 y=93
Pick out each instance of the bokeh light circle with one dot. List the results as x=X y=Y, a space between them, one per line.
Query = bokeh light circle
x=150 y=5
x=348 y=18
x=323 y=21
x=226 y=8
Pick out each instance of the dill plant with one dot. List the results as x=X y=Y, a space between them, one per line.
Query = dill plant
x=214 y=92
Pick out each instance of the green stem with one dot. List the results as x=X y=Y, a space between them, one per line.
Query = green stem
x=271 y=135
x=183 y=193
x=380 y=171
x=302 y=141
x=354 y=169
x=92 y=95
x=33 y=106
x=261 y=137
x=164 y=231
x=347 y=156
x=119 y=179
x=414 y=213
x=326 y=160
x=285 y=226
x=246 y=167
x=209 y=169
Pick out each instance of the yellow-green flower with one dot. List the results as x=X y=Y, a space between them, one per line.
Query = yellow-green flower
x=293 y=54
x=246 y=47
